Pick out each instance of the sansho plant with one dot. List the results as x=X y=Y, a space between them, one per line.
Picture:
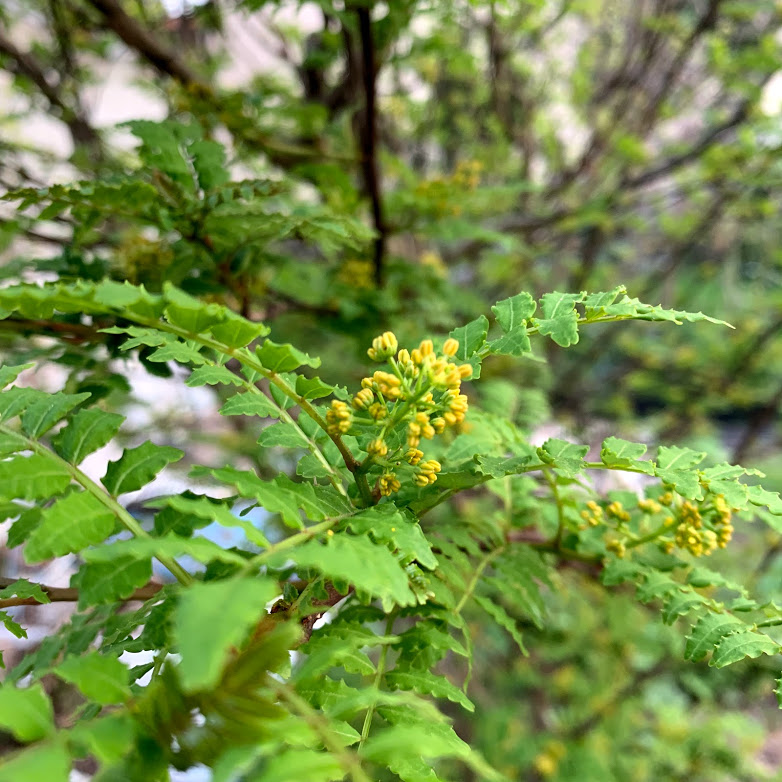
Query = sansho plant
x=244 y=679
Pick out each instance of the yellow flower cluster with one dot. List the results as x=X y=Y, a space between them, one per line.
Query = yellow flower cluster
x=721 y=520
x=617 y=511
x=388 y=483
x=649 y=506
x=357 y=273
x=338 y=418
x=696 y=529
x=593 y=515
x=440 y=191
x=547 y=762
x=416 y=395
x=691 y=535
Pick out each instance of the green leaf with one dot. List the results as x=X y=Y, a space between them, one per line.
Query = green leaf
x=13 y=627
x=675 y=458
x=387 y=524
x=212 y=376
x=560 y=318
x=503 y=619
x=680 y=602
x=108 y=738
x=738 y=646
x=49 y=762
x=16 y=400
x=9 y=373
x=708 y=632
x=312 y=388
x=237 y=332
x=622 y=453
x=138 y=466
x=368 y=566
x=765 y=499
x=295 y=765
x=283 y=358
x=209 y=163
x=24 y=589
x=214 y=510
x=70 y=525
x=250 y=403
x=108 y=582
x=11 y=442
x=86 y=432
x=685 y=482
x=26 y=713
x=284 y=496
x=515 y=344
x=428 y=684
x=284 y=435
x=567 y=458
x=100 y=678
x=189 y=313
x=471 y=337
x=181 y=352
x=212 y=618
x=32 y=478
x=200 y=549
x=514 y=312
x=44 y=413
x=420 y=740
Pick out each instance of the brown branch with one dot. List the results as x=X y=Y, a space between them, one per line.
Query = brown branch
x=675 y=162
x=585 y=726
x=759 y=421
x=368 y=138
x=69 y=332
x=140 y=40
x=24 y=64
x=69 y=594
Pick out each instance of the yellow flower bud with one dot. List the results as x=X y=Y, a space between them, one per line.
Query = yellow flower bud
x=426 y=347
x=383 y=347
x=430 y=466
x=451 y=346
x=378 y=411
x=465 y=371
x=438 y=424
x=388 y=484
x=414 y=456
x=363 y=399
x=377 y=447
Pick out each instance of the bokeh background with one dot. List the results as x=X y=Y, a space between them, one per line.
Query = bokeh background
x=492 y=147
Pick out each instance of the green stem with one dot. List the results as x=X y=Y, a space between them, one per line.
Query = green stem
x=293 y=541
x=379 y=674
x=349 y=760
x=552 y=482
x=105 y=499
x=334 y=476
x=247 y=359
x=484 y=563
x=653 y=535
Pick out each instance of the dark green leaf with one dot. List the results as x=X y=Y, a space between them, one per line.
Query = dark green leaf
x=138 y=466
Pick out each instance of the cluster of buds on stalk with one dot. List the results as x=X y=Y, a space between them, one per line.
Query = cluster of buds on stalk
x=672 y=523
x=413 y=398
